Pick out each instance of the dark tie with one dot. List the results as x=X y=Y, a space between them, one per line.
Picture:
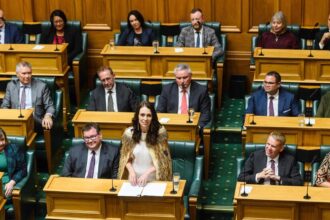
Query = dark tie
x=198 y=40
x=23 y=98
x=110 y=102
x=271 y=106
x=184 y=107
x=90 y=173
x=272 y=166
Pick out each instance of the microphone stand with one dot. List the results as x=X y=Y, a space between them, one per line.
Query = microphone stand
x=204 y=45
x=56 y=49
x=253 y=122
x=244 y=194
x=20 y=112
x=10 y=47
x=113 y=189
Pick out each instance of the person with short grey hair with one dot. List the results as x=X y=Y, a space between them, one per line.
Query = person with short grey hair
x=185 y=93
x=278 y=37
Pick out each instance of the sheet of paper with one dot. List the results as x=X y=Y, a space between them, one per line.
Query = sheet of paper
x=154 y=189
x=128 y=190
x=248 y=189
x=164 y=120
x=178 y=50
x=312 y=121
x=38 y=47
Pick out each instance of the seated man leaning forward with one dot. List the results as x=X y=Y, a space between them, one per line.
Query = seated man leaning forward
x=272 y=165
x=92 y=159
x=184 y=93
x=111 y=96
x=272 y=99
x=27 y=92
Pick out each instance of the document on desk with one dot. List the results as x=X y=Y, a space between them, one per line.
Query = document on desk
x=151 y=189
x=127 y=189
x=154 y=189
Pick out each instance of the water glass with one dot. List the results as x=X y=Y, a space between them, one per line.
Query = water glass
x=155 y=44
x=301 y=120
x=176 y=180
x=191 y=113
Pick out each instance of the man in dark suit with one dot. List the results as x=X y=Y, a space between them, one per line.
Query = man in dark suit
x=94 y=158
x=9 y=33
x=199 y=35
x=111 y=95
x=179 y=96
x=27 y=92
x=322 y=39
x=272 y=99
x=273 y=165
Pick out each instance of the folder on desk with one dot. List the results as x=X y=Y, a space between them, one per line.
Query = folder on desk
x=151 y=189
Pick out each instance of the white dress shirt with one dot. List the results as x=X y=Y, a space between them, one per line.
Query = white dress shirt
x=200 y=37
x=180 y=97
x=28 y=95
x=275 y=103
x=114 y=98
x=97 y=160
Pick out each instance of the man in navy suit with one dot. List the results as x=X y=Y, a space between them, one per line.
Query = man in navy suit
x=322 y=39
x=94 y=158
x=186 y=91
x=9 y=33
x=122 y=97
x=272 y=165
x=272 y=99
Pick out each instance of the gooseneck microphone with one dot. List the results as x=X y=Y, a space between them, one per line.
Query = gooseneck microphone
x=113 y=189
x=244 y=193
x=20 y=111
x=260 y=35
x=253 y=122
x=307 y=196
x=56 y=49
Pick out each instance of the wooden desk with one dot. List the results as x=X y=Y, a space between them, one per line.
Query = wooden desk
x=80 y=198
x=282 y=202
x=308 y=138
x=293 y=65
x=142 y=63
x=13 y=125
x=113 y=125
x=45 y=62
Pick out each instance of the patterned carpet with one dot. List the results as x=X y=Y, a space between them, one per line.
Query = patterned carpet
x=217 y=192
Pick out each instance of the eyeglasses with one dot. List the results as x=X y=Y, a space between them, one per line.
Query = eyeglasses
x=269 y=83
x=90 y=138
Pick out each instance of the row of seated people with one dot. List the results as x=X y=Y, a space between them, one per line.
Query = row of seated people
x=274 y=98
x=275 y=163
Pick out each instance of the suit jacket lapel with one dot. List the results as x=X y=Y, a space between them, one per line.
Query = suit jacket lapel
x=264 y=107
x=103 y=159
x=280 y=103
x=83 y=159
x=102 y=98
x=33 y=92
x=176 y=97
x=281 y=166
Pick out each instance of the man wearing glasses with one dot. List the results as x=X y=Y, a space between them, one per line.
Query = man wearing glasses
x=92 y=159
x=9 y=33
x=272 y=99
x=110 y=95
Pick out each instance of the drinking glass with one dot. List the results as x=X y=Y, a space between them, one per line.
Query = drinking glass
x=191 y=113
x=155 y=44
x=176 y=180
x=301 y=120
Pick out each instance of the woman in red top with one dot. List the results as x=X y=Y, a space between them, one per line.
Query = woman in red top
x=278 y=37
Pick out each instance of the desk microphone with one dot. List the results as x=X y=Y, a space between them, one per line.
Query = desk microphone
x=253 y=122
x=261 y=54
x=56 y=49
x=313 y=33
x=244 y=194
x=173 y=190
x=20 y=111
x=10 y=47
x=113 y=189
x=308 y=196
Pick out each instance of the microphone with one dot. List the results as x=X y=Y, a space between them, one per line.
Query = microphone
x=10 y=47
x=173 y=190
x=56 y=49
x=313 y=33
x=253 y=122
x=204 y=44
x=244 y=193
x=261 y=54
x=113 y=189
x=307 y=196
x=20 y=111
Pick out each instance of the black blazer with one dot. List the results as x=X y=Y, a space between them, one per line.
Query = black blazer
x=318 y=38
x=127 y=37
x=198 y=99
x=71 y=36
x=13 y=35
x=287 y=168
x=75 y=163
x=126 y=99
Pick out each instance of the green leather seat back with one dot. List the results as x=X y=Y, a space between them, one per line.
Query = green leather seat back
x=183 y=160
x=19 y=141
x=169 y=31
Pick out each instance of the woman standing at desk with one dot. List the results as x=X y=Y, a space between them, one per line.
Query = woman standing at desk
x=136 y=34
x=145 y=155
x=278 y=37
x=60 y=33
x=12 y=163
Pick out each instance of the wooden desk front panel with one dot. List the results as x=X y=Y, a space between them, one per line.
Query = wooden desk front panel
x=129 y=66
x=44 y=61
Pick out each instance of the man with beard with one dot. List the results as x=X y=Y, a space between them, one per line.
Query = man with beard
x=272 y=165
x=199 y=35
x=179 y=96
x=272 y=99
